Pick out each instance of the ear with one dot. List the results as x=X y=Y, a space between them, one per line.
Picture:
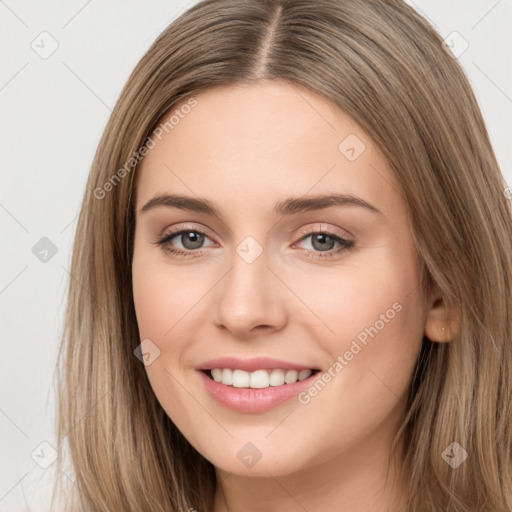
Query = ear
x=441 y=324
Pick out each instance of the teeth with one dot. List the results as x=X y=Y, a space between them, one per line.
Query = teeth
x=291 y=376
x=276 y=378
x=304 y=374
x=227 y=376
x=241 y=379
x=258 y=379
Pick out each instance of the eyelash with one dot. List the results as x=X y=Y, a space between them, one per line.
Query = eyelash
x=165 y=239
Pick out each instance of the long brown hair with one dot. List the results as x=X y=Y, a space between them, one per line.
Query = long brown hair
x=385 y=66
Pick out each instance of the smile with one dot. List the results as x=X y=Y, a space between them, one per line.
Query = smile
x=258 y=379
x=256 y=391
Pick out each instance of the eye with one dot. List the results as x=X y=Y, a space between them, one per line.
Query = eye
x=324 y=242
x=190 y=240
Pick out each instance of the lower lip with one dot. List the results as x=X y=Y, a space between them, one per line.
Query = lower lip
x=252 y=399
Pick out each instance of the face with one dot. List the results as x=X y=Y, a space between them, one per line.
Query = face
x=254 y=267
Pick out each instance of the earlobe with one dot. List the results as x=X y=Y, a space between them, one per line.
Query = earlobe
x=441 y=324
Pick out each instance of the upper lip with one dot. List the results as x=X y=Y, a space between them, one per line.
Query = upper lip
x=253 y=364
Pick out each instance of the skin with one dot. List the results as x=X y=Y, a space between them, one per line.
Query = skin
x=244 y=148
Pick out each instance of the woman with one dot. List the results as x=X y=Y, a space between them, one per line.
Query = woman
x=217 y=355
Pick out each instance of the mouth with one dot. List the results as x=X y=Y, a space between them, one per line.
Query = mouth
x=258 y=379
x=257 y=390
x=257 y=384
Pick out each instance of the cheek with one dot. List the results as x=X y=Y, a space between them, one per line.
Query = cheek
x=164 y=311
x=371 y=313
x=153 y=303
x=162 y=295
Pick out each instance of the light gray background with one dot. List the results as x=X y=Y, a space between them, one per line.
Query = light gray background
x=53 y=113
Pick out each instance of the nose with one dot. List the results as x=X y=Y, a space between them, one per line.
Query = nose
x=250 y=299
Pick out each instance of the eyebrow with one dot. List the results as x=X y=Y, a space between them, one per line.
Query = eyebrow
x=290 y=206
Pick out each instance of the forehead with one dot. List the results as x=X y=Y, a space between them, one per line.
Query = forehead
x=262 y=142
